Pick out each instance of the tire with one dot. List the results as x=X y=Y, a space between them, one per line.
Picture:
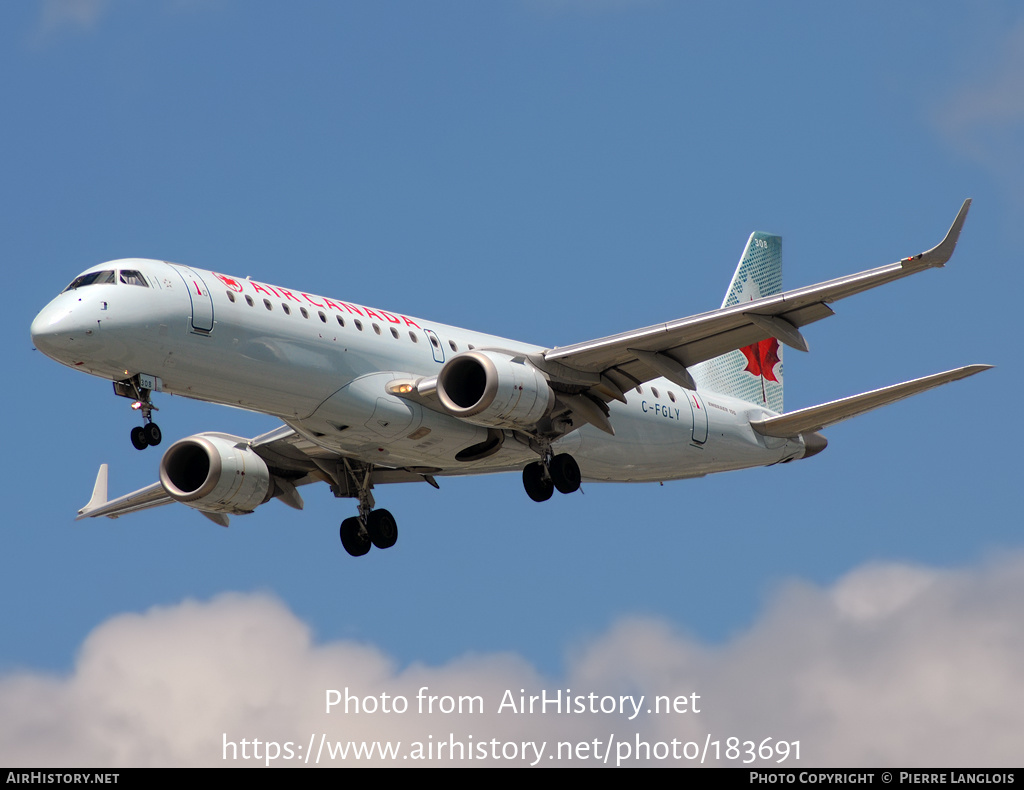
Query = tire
x=565 y=472
x=538 y=487
x=153 y=433
x=353 y=538
x=383 y=529
x=139 y=440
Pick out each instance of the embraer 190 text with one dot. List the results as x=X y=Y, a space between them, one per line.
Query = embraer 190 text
x=369 y=396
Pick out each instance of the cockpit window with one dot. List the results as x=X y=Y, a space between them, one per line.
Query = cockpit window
x=132 y=277
x=92 y=278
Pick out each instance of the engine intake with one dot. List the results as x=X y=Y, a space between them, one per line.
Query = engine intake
x=216 y=473
x=494 y=389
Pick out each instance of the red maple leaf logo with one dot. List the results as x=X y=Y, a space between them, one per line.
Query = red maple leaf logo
x=762 y=358
x=230 y=282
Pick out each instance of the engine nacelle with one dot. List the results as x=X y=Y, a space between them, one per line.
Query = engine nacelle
x=494 y=389
x=216 y=472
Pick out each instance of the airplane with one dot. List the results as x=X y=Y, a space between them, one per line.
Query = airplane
x=368 y=397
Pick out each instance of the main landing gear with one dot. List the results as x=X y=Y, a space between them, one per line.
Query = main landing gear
x=379 y=529
x=541 y=478
x=371 y=527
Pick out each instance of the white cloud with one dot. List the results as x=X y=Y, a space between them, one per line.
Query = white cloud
x=891 y=665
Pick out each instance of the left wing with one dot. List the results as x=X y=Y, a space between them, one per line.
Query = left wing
x=815 y=418
x=611 y=366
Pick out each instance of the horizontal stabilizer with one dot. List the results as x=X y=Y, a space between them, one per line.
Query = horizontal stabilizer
x=816 y=418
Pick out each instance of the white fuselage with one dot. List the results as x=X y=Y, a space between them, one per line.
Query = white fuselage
x=322 y=366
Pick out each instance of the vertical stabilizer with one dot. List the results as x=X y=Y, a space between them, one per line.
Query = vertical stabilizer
x=754 y=373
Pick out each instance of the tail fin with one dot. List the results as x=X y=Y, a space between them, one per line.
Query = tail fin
x=754 y=373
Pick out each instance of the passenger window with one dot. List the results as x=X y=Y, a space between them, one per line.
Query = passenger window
x=394 y=333
x=414 y=337
x=341 y=321
x=376 y=329
x=267 y=304
x=654 y=392
x=231 y=296
x=305 y=313
x=671 y=396
x=359 y=324
x=286 y=308
x=248 y=301
x=451 y=344
x=323 y=318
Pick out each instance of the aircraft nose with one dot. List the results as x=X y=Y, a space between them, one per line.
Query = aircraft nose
x=51 y=330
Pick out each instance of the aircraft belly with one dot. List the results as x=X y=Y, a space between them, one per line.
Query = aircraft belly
x=361 y=419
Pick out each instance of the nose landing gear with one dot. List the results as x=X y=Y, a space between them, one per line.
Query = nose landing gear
x=142 y=436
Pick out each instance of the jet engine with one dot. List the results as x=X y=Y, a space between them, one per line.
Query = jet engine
x=216 y=472
x=494 y=389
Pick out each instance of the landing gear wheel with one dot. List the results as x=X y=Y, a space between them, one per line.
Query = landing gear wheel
x=139 y=440
x=565 y=473
x=153 y=434
x=354 y=537
x=383 y=529
x=538 y=487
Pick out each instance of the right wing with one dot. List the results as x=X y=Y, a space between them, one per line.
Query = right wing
x=611 y=366
x=292 y=461
x=150 y=496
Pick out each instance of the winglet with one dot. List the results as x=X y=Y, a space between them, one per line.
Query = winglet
x=99 y=493
x=938 y=255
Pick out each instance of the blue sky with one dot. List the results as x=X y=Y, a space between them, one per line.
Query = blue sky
x=552 y=171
